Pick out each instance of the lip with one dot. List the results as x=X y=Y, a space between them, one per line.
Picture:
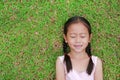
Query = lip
x=77 y=46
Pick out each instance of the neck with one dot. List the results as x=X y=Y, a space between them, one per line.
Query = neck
x=78 y=55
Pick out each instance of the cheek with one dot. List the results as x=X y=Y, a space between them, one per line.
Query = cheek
x=70 y=41
x=86 y=40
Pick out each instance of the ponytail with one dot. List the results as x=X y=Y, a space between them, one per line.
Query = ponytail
x=66 y=57
x=90 y=64
x=65 y=46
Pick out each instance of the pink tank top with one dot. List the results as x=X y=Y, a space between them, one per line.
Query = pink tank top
x=74 y=75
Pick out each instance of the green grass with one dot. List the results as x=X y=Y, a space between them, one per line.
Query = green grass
x=31 y=36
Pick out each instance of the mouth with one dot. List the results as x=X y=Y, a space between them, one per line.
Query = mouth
x=78 y=46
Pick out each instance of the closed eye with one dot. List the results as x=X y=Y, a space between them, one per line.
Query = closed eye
x=82 y=36
x=72 y=36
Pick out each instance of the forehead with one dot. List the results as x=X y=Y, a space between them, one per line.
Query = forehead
x=77 y=28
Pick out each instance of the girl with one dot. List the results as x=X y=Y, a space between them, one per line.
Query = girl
x=78 y=63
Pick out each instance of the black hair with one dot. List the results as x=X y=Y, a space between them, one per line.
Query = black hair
x=67 y=60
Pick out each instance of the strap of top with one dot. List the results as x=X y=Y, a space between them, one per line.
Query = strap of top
x=94 y=59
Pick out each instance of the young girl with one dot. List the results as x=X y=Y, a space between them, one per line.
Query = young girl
x=78 y=63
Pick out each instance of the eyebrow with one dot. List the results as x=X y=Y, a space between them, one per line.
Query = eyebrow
x=79 y=33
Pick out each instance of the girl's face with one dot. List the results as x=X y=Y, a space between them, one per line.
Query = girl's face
x=77 y=37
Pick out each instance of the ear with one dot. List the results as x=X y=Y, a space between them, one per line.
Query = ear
x=65 y=38
x=90 y=37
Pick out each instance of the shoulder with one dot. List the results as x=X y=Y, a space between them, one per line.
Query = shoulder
x=99 y=70
x=60 y=59
x=99 y=62
x=60 y=74
x=96 y=60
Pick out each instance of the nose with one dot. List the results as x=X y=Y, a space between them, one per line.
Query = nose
x=78 y=40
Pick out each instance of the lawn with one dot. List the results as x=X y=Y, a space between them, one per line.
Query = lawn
x=31 y=36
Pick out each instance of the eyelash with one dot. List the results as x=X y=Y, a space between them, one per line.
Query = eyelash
x=72 y=36
x=80 y=36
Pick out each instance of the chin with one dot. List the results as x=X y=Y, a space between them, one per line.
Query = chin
x=78 y=51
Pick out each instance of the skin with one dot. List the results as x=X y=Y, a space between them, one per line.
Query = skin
x=78 y=38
